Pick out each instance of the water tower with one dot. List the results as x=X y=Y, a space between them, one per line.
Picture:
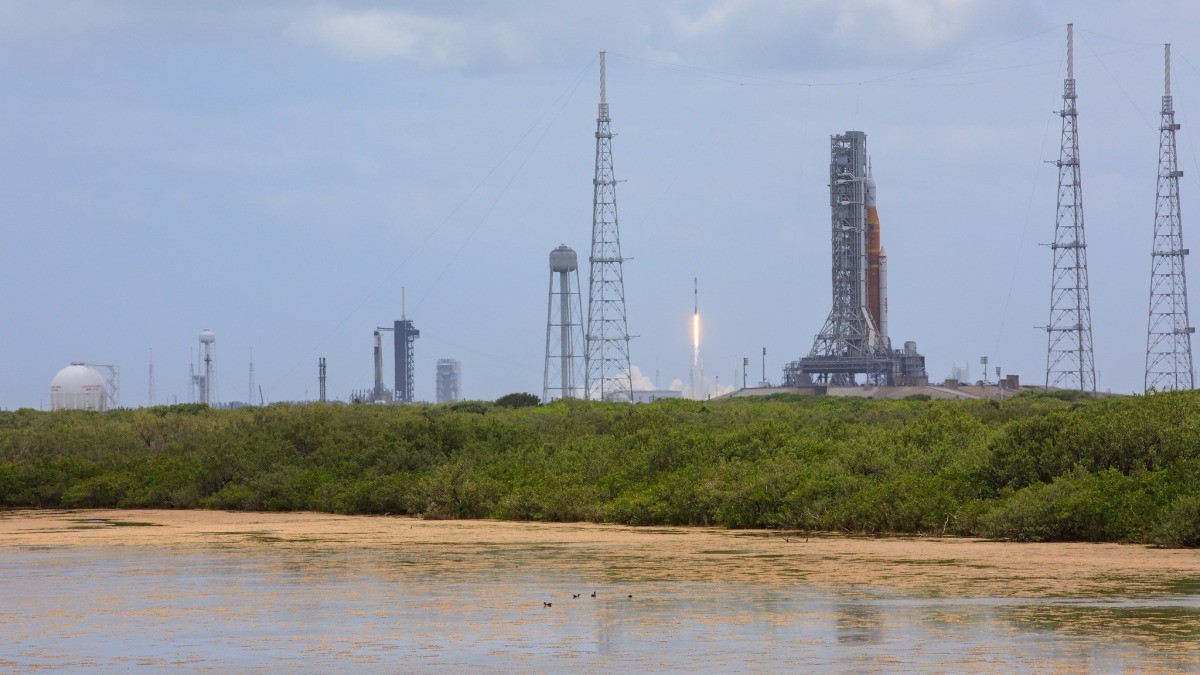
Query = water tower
x=206 y=383
x=564 y=328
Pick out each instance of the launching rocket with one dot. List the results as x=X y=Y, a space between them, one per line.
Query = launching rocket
x=877 y=299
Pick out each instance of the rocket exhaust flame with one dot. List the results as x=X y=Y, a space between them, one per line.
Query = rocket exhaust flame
x=695 y=336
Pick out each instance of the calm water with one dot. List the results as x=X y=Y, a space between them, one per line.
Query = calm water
x=232 y=609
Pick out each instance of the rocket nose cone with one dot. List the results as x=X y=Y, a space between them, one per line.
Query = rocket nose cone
x=869 y=191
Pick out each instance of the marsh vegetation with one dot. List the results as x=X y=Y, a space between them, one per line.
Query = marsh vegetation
x=1034 y=468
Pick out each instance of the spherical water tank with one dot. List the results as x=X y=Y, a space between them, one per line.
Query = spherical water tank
x=78 y=387
x=563 y=259
x=207 y=336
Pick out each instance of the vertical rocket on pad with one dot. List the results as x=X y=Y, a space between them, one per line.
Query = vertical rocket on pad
x=876 y=264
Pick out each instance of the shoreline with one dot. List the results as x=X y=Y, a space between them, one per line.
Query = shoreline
x=962 y=567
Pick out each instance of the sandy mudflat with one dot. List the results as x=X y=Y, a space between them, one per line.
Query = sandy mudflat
x=942 y=567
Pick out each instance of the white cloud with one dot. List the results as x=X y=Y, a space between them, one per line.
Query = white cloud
x=441 y=42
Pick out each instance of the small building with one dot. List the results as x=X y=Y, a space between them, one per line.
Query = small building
x=652 y=395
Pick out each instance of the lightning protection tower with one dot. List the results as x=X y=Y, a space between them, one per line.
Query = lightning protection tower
x=564 y=328
x=1169 y=335
x=1069 y=360
x=607 y=369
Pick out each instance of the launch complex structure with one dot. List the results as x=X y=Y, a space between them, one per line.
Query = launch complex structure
x=854 y=340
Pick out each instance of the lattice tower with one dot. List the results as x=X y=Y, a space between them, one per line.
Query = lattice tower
x=1169 y=334
x=1070 y=362
x=607 y=368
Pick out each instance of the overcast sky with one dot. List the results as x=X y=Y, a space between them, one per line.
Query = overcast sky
x=278 y=171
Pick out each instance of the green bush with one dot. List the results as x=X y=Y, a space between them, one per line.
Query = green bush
x=1180 y=523
x=517 y=400
x=1033 y=468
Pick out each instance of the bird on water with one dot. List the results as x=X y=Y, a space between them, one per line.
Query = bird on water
x=547 y=604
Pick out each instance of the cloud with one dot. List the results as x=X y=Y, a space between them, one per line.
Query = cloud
x=829 y=32
x=718 y=33
x=375 y=35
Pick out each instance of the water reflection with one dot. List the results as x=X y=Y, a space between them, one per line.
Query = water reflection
x=858 y=623
x=290 y=608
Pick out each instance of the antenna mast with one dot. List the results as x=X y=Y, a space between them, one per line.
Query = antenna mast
x=1070 y=362
x=150 y=394
x=607 y=365
x=1169 y=334
x=250 y=390
x=321 y=377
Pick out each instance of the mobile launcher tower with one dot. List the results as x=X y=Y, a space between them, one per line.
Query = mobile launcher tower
x=854 y=339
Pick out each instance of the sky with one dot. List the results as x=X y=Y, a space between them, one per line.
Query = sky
x=278 y=172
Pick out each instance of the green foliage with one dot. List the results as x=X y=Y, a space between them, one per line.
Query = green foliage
x=517 y=400
x=1034 y=468
x=1180 y=523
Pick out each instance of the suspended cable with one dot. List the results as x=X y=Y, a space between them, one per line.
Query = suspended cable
x=556 y=108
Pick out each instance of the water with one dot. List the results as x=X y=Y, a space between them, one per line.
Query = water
x=293 y=608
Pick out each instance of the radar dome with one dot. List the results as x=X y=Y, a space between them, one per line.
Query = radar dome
x=563 y=259
x=78 y=387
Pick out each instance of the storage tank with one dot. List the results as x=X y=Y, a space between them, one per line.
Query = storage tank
x=78 y=387
x=563 y=259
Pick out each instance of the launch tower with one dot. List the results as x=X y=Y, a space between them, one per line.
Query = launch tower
x=404 y=334
x=854 y=339
x=1069 y=360
x=607 y=371
x=1169 y=335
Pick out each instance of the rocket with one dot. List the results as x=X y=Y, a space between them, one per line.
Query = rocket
x=877 y=300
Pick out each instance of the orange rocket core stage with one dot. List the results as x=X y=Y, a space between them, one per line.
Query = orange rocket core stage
x=876 y=303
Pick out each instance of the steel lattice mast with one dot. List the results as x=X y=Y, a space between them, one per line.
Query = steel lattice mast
x=1069 y=359
x=608 y=373
x=1168 y=335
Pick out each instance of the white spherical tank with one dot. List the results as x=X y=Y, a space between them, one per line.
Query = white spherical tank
x=78 y=387
x=207 y=337
x=563 y=259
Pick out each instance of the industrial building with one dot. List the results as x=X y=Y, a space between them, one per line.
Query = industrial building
x=854 y=341
x=449 y=381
